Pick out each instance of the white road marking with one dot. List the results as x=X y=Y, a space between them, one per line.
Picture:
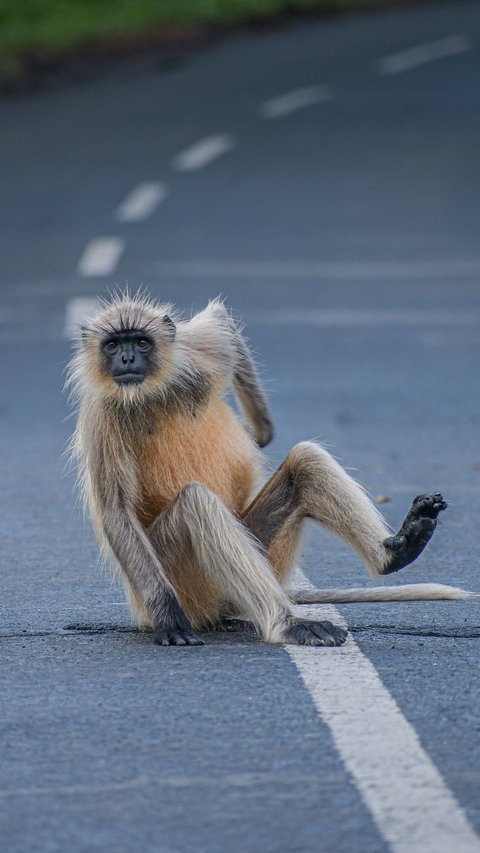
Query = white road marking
x=396 y=63
x=403 y=790
x=141 y=202
x=296 y=99
x=100 y=256
x=77 y=314
x=202 y=153
x=347 y=270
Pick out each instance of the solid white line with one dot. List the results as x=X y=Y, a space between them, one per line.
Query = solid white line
x=141 y=202
x=422 y=53
x=100 y=256
x=403 y=790
x=296 y=99
x=202 y=153
x=348 y=270
x=77 y=313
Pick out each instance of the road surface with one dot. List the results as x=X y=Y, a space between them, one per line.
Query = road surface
x=323 y=177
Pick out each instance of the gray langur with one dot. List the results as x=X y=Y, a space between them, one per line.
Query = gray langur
x=170 y=475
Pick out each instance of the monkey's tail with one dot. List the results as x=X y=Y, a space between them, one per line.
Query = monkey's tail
x=409 y=592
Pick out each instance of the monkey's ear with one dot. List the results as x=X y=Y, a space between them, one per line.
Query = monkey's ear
x=170 y=325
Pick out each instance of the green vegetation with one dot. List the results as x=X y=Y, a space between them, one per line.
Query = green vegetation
x=45 y=28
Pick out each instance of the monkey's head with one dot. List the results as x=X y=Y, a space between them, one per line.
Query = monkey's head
x=127 y=351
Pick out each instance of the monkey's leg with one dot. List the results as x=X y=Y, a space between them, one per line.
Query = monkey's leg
x=198 y=529
x=311 y=484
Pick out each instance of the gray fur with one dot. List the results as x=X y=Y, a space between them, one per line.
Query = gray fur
x=246 y=382
x=198 y=527
x=197 y=554
x=409 y=592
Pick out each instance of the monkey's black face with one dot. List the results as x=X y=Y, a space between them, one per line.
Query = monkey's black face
x=126 y=356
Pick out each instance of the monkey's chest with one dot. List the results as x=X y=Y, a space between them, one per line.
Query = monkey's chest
x=214 y=450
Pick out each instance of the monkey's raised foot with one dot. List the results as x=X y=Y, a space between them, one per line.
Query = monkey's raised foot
x=304 y=632
x=415 y=532
x=178 y=637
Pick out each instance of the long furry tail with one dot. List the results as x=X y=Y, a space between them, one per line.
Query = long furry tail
x=409 y=592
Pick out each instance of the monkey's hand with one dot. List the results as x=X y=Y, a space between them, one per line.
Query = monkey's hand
x=415 y=532
x=263 y=430
x=172 y=628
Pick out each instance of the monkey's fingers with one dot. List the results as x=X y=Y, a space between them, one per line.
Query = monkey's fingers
x=415 y=532
x=179 y=637
x=428 y=506
x=264 y=432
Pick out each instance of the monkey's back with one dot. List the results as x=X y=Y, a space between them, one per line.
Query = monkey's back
x=213 y=448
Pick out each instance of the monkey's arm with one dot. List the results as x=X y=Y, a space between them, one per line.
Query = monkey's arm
x=250 y=394
x=218 y=348
x=220 y=338
x=141 y=565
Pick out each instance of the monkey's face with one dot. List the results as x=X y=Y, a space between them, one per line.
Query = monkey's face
x=127 y=356
x=127 y=353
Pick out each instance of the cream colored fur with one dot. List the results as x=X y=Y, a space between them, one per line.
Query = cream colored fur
x=409 y=592
x=167 y=470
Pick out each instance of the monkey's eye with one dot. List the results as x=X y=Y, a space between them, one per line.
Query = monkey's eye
x=144 y=345
x=110 y=347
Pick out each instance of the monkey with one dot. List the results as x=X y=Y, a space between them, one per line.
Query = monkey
x=171 y=474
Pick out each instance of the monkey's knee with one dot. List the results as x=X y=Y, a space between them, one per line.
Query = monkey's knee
x=194 y=495
x=305 y=452
x=304 y=463
x=301 y=478
x=177 y=523
x=192 y=491
x=173 y=528
x=196 y=513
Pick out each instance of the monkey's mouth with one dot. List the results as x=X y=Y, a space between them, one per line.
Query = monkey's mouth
x=129 y=378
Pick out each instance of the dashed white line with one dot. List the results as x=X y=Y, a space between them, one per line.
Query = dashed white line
x=141 y=202
x=203 y=152
x=407 y=797
x=100 y=257
x=294 y=100
x=396 y=63
x=77 y=313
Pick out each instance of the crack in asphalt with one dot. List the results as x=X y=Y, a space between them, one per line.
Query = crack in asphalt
x=237 y=626
x=74 y=629
x=455 y=633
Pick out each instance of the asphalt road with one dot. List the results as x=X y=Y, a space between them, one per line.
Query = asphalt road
x=345 y=233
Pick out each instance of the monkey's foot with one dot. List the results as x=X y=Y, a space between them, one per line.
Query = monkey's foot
x=304 y=632
x=415 y=532
x=176 y=637
x=172 y=627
